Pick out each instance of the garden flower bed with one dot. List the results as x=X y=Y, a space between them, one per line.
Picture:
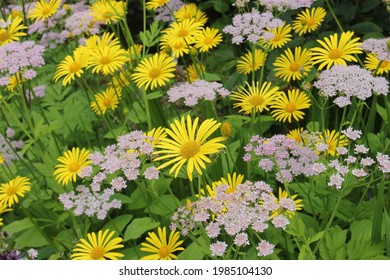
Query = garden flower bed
x=169 y=129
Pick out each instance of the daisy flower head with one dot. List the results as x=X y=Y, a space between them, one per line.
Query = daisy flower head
x=9 y=192
x=187 y=143
x=280 y=36
x=288 y=205
x=232 y=182
x=298 y=135
x=94 y=42
x=108 y=59
x=72 y=66
x=98 y=246
x=372 y=63
x=333 y=140
x=293 y=66
x=107 y=11
x=155 y=4
x=289 y=106
x=154 y=71
x=255 y=98
x=161 y=247
x=175 y=46
x=246 y=63
x=71 y=164
x=108 y=99
x=193 y=72
x=208 y=39
x=3 y=208
x=309 y=20
x=11 y=30
x=190 y=11
x=43 y=9
x=336 y=50
x=186 y=31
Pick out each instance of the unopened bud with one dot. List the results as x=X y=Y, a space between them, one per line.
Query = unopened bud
x=226 y=129
x=193 y=51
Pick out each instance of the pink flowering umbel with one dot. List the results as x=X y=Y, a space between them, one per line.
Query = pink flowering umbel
x=237 y=216
x=113 y=169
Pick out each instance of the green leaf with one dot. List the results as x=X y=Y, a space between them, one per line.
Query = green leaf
x=154 y=95
x=366 y=27
x=211 y=77
x=306 y=253
x=30 y=238
x=367 y=6
x=138 y=227
x=333 y=246
x=18 y=226
x=382 y=112
x=119 y=223
x=196 y=250
x=386 y=219
x=164 y=205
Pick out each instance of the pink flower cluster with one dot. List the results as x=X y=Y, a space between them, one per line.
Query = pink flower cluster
x=282 y=155
x=379 y=47
x=344 y=82
x=16 y=57
x=9 y=149
x=283 y=5
x=251 y=26
x=165 y=13
x=112 y=169
x=193 y=92
x=236 y=214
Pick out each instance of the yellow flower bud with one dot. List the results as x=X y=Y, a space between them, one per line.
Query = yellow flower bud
x=226 y=129
x=193 y=51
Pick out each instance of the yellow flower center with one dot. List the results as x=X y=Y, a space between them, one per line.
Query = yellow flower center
x=182 y=33
x=74 y=67
x=97 y=253
x=163 y=251
x=186 y=15
x=384 y=64
x=4 y=35
x=154 y=73
x=107 y=102
x=107 y=14
x=310 y=22
x=294 y=67
x=208 y=41
x=12 y=190
x=45 y=11
x=74 y=167
x=290 y=107
x=189 y=149
x=277 y=38
x=334 y=54
x=256 y=101
x=105 y=60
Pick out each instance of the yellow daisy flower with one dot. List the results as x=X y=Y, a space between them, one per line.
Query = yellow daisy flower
x=232 y=181
x=297 y=135
x=135 y=51
x=190 y=11
x=372 y=63
x=246 y=63
x=15 y=81
x=71 y=164
x=188 y=144
x=334 y=140
x=72 y=66
x=11 y=30
x=107 y=11
x=10 y=191
x=43 y=9
x=336 y=50
x=289 y=106
x=208 y=39
x=154 y=4
x=161 y=248
x=154 y=71
x=3 y=208
x=108 y=99
x=283 y=195
x=309 y=20
x=293 y=66
x=192 y=72
x=98 y=247
x=94 y=42
x=108 y=59
x=156 y=134
x=255 y=99
x=185 y=30
x=176 y=46
x=121 y=80
x=282 y=35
